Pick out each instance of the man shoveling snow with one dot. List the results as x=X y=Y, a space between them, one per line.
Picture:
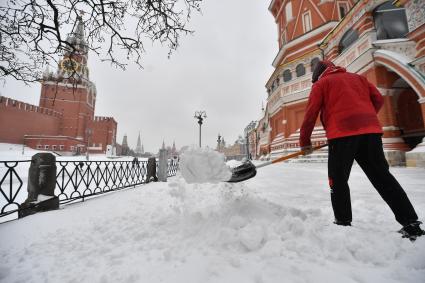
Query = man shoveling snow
x=348 y=105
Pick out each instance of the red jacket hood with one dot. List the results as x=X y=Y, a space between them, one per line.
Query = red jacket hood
x=331 y=68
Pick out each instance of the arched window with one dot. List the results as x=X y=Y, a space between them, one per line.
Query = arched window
x=287 y=76
x=313 y=63
x=349 y=37
x=288 y=11
x=390 y=21
x=300 y=70
x=343 y=9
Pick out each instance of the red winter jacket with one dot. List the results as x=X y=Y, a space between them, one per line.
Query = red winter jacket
x=348 y=104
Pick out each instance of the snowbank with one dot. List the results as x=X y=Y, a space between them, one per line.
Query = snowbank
x=274 y=228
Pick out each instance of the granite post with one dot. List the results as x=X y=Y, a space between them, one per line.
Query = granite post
x=163 y=165
x=41 y=185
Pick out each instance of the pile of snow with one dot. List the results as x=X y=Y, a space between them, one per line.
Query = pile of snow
x=203 y=165
x=274 y=228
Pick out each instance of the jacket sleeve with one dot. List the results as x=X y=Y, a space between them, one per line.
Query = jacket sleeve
x=375 y=97
x=313 y=108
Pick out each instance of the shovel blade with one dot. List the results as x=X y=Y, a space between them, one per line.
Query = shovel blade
x=243 y=172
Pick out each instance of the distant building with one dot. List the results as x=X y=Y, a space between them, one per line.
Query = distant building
x=125 y=149
x=171 y=151
x=236 y=151
x=251 y=133
x=64 y=121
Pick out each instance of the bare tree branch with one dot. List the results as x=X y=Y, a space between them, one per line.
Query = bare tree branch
x=32 y=31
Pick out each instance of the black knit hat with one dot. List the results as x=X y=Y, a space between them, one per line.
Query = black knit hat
x=319 y=69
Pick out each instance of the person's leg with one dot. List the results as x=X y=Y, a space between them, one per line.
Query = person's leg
x=340 y=161
x=370 y=156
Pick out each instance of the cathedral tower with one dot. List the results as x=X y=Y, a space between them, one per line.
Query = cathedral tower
x=301 y=25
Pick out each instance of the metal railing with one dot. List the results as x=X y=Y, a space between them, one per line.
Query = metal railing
x=75 y=180
x=173 y=167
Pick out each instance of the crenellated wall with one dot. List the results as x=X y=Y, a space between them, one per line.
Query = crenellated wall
x=19 y=118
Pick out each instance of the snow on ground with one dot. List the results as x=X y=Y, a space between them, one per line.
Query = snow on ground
x=276 y=227
x=13 y=152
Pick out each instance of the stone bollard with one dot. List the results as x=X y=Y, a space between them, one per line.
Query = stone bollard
x=163 y=165
x=41 y=185
x=151 y=170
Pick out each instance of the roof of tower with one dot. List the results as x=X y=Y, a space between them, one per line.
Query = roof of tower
x=76 y=37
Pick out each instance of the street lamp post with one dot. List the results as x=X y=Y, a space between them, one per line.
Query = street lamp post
x=200 y=115
x=218 y=142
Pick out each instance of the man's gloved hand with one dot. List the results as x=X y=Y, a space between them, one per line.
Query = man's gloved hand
x=307 y=149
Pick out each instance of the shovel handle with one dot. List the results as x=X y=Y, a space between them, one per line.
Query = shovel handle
x=289 y=156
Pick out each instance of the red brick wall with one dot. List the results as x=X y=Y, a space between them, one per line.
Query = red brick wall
x=73 y=103
x=295 y=117
x=18 y=119
x=104 y=131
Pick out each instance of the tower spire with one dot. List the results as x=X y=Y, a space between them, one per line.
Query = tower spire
x=139 y=149
x=76 y=37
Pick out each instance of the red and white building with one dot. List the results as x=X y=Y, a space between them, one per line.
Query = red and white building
x=64 y=121
x=382 y=40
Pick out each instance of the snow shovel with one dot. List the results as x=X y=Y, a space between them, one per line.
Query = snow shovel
x=248 y=170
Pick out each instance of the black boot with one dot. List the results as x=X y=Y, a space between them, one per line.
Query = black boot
x=342 y=223
x=412 y=231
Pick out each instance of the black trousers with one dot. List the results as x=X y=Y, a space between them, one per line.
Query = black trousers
x=367 y=150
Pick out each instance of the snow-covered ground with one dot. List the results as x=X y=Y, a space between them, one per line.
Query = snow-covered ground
x=276 y=227
x=13 y=152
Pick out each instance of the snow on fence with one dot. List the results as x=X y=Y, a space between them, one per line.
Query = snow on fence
x=75 y=180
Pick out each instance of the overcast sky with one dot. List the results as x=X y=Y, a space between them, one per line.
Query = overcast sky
x=221 y=69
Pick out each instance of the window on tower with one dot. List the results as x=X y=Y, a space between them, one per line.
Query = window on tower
x=313 y=63
x=288 y=11
x=343 y=8
x=349 y=37
x=300 y=70
x=307 y=21
x=287 y=76
x=390 y=21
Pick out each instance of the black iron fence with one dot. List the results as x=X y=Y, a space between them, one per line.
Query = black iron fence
x=75 y=180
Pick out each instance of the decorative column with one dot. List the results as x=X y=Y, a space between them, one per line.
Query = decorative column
x=394 y=145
